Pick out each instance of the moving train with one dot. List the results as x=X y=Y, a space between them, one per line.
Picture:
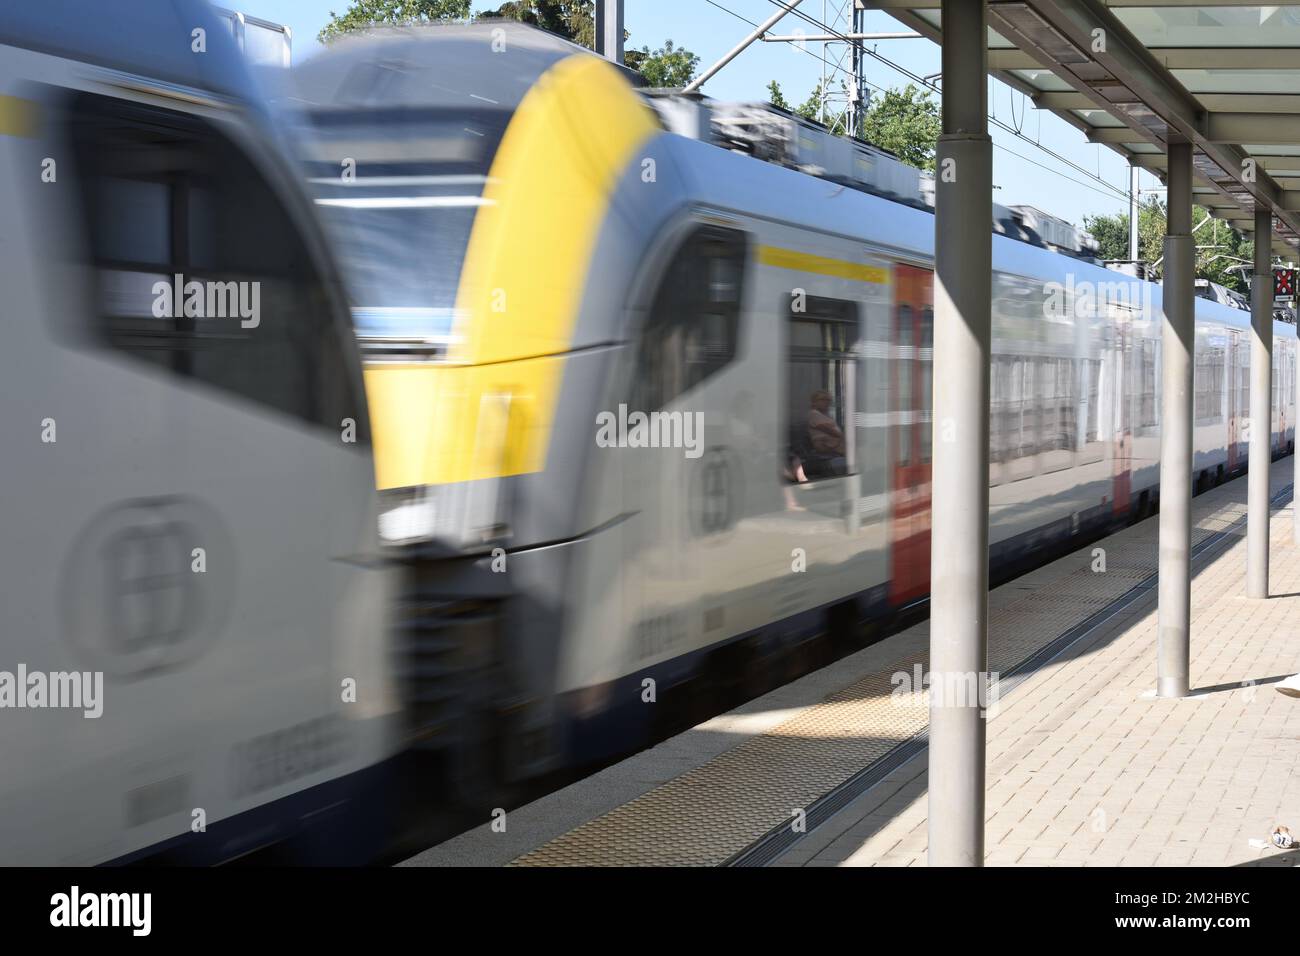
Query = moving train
x=193 y=649
x=648 y=410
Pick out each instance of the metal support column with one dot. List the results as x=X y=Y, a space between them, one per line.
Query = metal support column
x=609 y=29
x=1261 y=407
x=857 y=83
x=962 y=335
x=1178 y=350
x=736 y=50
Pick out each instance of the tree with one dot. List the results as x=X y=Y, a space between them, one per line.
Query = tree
x=1219 y=247
x=811 y=108
x=775 y=97
x=366 y=13
x=668 y=66
x=905 y=122
x=575 y=20
x=1111 y=232
x=572 y=19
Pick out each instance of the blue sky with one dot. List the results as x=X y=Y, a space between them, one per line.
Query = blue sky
x=1022 y=173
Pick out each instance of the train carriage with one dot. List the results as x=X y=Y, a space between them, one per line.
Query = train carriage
x=188 y=526
x=582 y=264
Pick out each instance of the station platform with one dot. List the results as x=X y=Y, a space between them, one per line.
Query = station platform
x=1085 y=765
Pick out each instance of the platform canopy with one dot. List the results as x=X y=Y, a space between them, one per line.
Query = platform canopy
x=1133 y=74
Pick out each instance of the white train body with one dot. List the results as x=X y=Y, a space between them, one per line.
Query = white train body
x=181 y=513
x=1079 y=449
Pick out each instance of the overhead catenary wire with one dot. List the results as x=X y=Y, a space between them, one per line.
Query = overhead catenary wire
x=1109 y=189
x=899 y=68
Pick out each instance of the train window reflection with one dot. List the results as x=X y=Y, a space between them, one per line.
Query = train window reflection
x=1149 y=415
x=132 y=221
x=1243 y=378
x=199 y=268
x=925 y=362
x=903 y=362
x=1209 y=382
x=405 y=214
x=1092 y=424
x=692 y=329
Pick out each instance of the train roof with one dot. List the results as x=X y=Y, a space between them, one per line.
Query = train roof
x=150 y=38
x=430 y=66
x=738 y=183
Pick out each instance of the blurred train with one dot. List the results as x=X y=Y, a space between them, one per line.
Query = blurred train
x=193 y=651
x=553 y=289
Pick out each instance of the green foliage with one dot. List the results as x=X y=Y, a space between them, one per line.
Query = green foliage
x=668 y=66
x=775 y=97
x=811 y=108
x=905 y=122
x=365 y=13
x=572 y=19
x=1111 y=232
x=1219 y=247
x=575 y=20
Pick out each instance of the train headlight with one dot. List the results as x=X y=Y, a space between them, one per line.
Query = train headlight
x=406 y=515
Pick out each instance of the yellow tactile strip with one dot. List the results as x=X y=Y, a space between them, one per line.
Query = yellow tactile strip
x=708 y=814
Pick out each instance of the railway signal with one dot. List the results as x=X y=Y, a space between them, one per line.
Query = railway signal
x=1284 y=282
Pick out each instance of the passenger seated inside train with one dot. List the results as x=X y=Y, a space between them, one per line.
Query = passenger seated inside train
x=825 y=453
x=816 y=448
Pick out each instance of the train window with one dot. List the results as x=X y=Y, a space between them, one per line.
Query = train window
x=1092 y=424
x=1209 y=382
x=1243 y=377
x=1272 y=401
x=902 y=393
x=925 y=362
x=199 y=268
x=998 y=390
x=1056 y=379
x=1149 y=413
x=821 y=362
x=1014 y=407
x=693 y=327
x=1019 y=408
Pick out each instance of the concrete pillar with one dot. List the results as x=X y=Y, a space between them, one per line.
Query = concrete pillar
x=1261 y=407
x=609 y=29
x=1178 y=350
x=962 y=335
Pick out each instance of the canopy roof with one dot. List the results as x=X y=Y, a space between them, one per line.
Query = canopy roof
x=1134 y=74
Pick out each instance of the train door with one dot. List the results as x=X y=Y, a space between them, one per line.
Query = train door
x=686 y=492
x=910 y=434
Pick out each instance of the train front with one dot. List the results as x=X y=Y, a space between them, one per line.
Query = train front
x=468 y=176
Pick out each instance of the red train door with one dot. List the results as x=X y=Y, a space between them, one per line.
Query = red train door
x=910 y=436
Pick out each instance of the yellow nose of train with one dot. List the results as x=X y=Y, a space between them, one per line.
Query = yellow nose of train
x=487 y=411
